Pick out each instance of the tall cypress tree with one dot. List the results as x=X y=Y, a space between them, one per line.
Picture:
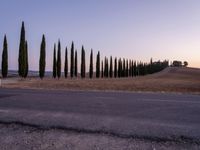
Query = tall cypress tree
x=106 y=69
x=102 y=73
x=98 y=65
x=26 y=60
x=76 y=65
x=82 y=62
x=72 y=61
x=4 y=65
x=127 y=68
x=22 y=53
x=130 y=69
x=124 y=67
x=120 y=69
x=91 y=65
x=66 y=63
x=134 y=68
x=54 y=62
x=42 y=57
x=111 y=67
x=59 y=60
x=115 y=68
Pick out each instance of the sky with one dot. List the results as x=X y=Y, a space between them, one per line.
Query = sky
x=132 y=29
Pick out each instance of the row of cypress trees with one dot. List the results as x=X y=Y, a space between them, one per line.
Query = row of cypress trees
x=121 y=68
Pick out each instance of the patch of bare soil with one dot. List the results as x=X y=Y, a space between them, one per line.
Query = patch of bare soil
x=183 y=80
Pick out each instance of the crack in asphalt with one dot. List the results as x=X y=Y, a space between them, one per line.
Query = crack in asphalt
x=175 y=139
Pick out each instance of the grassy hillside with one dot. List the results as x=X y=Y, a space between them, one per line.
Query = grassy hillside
x=184 y=80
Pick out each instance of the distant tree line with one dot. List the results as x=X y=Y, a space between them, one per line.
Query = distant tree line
x=105 y=68
x=177 y=63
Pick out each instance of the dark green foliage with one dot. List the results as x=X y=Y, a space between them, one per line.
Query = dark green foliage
x=66 y=63
x=132 y=68
x=177 y=63
x=4 y=65
x=102 y=73
x=76 y=65
x=185 y=63
x=22 y=60
x=59 y=60
x=106 y=69
x=82 y=62
x=126 y=74
x=91 y=65
x=124 y=68
x=98 y=65
x=26 y=60
x=54 y=62
x=111 y=67
x=119 y=68
x=135 y=68
x=105 y=61
x=42 y=63
x=158 y=66
x=115 y=68
x=129 y=69
x=72 y=61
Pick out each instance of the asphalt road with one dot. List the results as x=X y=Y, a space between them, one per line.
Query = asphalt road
x=156 y=116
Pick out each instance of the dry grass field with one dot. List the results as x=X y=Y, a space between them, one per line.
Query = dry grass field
x=181 y=80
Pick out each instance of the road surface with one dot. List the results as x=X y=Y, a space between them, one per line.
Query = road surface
x=152 y=116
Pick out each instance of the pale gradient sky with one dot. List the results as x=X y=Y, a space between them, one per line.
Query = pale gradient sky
x=134 y=29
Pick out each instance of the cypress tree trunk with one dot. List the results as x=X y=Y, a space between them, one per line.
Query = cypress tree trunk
x=66 y=63
x=111 y=67
x=4 y=65
x=91 y=65
x=115 y=71
x=54 y=62
x=42 y=58
x=59 y=60
x=102 y=73
x=22 y=53
x=26 y=60
x=76 y=65
x=98 y=65
x=72 y=61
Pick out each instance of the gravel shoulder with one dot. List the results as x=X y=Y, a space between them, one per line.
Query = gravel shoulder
x=14 y=136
